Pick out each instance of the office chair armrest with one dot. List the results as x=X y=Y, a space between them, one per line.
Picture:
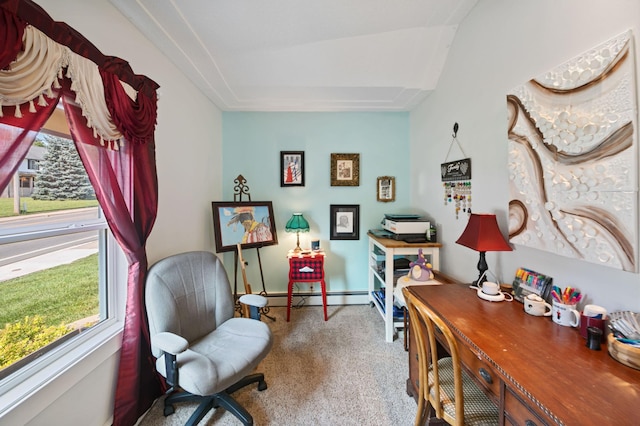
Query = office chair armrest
x=254 y=300
x=170 y=343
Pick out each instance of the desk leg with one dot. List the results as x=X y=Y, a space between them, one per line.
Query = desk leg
x=324 y=298
x=289 y=291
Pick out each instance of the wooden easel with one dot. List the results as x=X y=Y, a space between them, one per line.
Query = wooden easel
x=240 y=188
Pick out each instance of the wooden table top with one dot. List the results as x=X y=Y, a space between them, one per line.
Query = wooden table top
x=549 y=362
x=391 y=243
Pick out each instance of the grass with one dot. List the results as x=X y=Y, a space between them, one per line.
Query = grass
x=39 y=206
x=62 y=294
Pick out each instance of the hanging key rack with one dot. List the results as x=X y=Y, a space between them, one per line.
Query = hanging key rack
x=456 y=178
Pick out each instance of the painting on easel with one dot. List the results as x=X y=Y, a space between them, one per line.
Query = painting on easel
x=249 y=223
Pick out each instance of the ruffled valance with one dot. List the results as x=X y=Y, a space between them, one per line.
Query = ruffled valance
x=114 y=110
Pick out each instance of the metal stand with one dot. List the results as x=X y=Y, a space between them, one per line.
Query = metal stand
x=241 y=188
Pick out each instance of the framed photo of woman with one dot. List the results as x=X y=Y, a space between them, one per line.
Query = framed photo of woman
x=291 y=168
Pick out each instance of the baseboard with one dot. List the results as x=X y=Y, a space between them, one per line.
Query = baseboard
x=315 y=299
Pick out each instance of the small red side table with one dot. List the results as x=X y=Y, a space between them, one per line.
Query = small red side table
x=306 y=268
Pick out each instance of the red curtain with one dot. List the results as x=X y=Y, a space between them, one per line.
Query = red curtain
x=125 y=179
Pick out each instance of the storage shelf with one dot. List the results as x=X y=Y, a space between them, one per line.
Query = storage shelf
x=386 y=278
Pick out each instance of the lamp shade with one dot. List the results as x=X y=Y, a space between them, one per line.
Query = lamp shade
x=482 y=234
x=297 y=223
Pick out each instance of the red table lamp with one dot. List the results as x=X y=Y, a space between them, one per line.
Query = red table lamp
x=482 y=234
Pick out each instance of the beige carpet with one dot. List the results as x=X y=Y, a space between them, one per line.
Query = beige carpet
x=339 y=372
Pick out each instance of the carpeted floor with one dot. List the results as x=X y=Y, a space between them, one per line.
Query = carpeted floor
x=339 y=372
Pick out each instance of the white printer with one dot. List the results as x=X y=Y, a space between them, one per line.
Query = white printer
x=406 y=226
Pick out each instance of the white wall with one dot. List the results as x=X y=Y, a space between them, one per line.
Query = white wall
x=501 y=44
x=188 y=149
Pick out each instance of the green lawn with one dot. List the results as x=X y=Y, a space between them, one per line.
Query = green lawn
x=62 y=294
x=39 y=206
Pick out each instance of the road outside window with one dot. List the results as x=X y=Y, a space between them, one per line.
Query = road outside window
x=53 y=285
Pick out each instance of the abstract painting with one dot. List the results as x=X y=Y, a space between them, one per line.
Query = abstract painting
x=573 y=158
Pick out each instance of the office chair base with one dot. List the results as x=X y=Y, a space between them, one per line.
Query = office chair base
x=222 y=399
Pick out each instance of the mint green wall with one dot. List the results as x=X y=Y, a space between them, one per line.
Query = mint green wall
x=252 y=142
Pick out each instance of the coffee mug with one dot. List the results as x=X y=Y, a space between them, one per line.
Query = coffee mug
x=587 y=321
x=535 y=305
x=594 y=311
x=566 y=315
x=490 y=288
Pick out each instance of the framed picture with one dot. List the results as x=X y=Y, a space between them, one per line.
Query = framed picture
x=386 y=189
x=344 y=221
x=345 y=169
x=248 y=223
x=291 y=168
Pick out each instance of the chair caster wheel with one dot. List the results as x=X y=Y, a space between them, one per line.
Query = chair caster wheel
x=169 y=410
x=262 y=385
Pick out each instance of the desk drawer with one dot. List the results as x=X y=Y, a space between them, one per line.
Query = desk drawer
x=519 y=412
x=481 y=371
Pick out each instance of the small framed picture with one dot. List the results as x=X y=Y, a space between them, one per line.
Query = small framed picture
x=386 y=189
x=344 y=221
x=345 y=169
x=291 y=168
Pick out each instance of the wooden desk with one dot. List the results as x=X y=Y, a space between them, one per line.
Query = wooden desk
x=541 y=373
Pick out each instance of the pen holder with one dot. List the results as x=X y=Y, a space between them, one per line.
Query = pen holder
x=586 y=322
x=566 y=315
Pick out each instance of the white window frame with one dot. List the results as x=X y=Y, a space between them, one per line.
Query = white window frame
x=104 y=338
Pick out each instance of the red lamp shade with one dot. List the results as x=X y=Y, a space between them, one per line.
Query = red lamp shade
x=482 y=234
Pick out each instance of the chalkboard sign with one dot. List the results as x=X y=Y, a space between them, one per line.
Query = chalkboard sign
x=456 y=170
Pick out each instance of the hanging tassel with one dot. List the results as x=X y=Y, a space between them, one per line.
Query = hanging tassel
x=50 y=90
x=1 y=112
x=32 y=107
x=101 y=141
x=116 y=147
x=42 y=101
x=18 y=113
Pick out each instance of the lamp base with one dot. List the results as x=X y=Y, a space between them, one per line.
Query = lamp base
x=297 y=249
x=482 y=270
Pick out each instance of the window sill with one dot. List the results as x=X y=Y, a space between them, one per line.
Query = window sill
x=41 y=388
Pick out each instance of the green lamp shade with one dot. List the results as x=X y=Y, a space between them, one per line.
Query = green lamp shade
x=297 y=223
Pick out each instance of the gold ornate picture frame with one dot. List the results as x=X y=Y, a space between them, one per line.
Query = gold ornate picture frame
x=386 y=189
x=345 y=169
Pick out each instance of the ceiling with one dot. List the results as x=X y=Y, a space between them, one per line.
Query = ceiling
x=304 y=55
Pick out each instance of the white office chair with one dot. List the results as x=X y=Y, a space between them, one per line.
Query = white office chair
x=204 y=353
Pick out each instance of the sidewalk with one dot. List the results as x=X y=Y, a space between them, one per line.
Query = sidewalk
x=46 y=261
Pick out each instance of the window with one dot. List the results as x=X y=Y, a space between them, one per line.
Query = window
x=57 y=281
x=32 y=164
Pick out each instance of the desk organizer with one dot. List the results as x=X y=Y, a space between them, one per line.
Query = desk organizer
x=623 y=353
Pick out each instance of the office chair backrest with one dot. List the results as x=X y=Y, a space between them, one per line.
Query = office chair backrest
x=188 y=294
x=424 y=320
